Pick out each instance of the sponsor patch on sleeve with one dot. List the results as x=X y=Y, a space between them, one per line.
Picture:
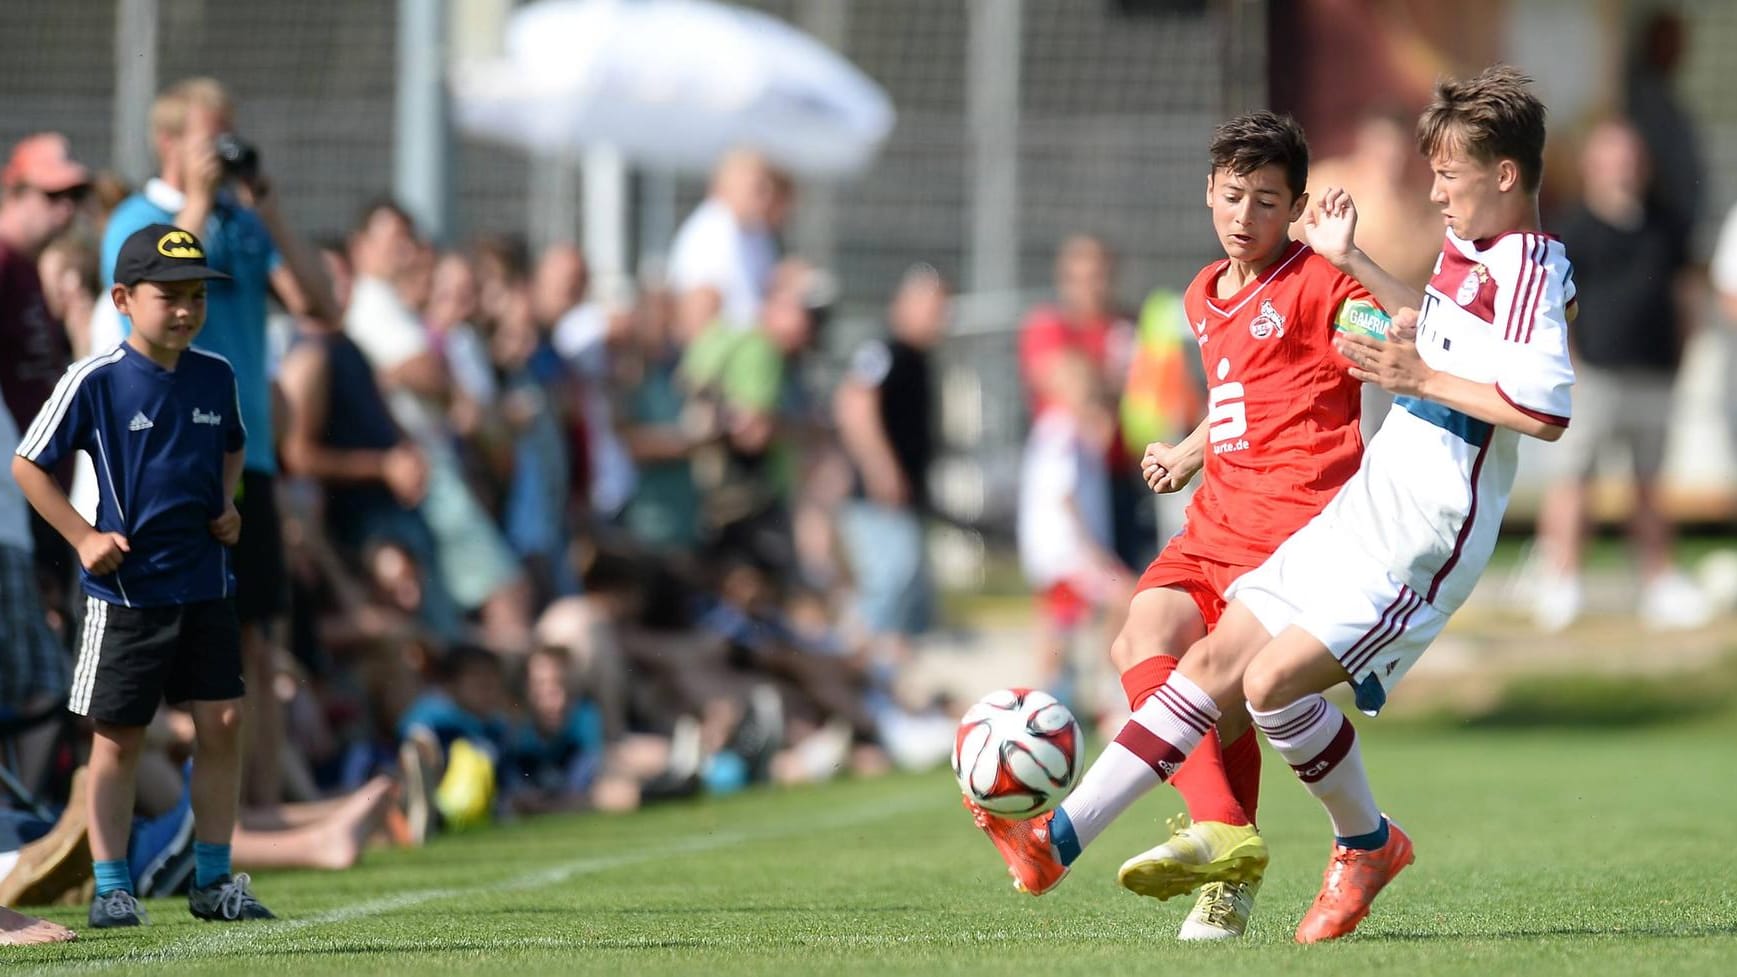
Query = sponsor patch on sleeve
x=1363 y=317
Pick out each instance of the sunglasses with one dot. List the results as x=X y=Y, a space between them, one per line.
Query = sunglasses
x=72 y=195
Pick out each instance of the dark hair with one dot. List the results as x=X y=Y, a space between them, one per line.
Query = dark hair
x=1260 y=139
x=1490 y=117
x=378 y=205
x=462 y=659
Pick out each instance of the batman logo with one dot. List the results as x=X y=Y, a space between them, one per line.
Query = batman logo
x=179 y=244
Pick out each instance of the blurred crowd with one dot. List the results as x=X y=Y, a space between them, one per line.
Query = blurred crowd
x=509 y=545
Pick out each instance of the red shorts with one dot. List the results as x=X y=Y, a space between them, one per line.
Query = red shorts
x=1202 y=579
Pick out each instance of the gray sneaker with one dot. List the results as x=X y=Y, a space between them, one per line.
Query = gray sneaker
x=228 y=900
x=117 y=908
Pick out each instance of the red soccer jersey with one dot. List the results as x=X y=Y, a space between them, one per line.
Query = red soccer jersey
x=1283 y=410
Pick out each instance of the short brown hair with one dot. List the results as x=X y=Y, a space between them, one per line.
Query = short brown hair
x=1260 y=139
x=169 y=111
x=1490 y=117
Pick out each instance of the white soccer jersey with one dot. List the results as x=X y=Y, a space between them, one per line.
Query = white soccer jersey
x=1430 y=495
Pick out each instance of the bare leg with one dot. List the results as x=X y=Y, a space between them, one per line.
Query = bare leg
x=114 y=762
x=334 y=842
x=1652 y=534
x=216 y=770
x=1562 y=526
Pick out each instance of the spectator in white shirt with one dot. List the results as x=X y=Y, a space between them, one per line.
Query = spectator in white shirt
x=476 y=564
x=726 y=243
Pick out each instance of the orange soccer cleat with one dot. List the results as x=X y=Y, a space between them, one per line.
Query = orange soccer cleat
x=1350 y=884
x=1024 y=845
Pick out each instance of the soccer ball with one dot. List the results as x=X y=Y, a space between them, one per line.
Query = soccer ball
x=1018 y=752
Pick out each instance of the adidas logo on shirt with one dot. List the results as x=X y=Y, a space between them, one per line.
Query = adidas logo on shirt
x=139 y=422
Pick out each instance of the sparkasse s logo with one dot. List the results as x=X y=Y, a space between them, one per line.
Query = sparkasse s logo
x=179 y=244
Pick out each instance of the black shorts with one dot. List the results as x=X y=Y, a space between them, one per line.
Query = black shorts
x=131 y=659
x=261 y=581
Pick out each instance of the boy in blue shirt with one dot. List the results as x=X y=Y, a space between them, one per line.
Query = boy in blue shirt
x=161 y=422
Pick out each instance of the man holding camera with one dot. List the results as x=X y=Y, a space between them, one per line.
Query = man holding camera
x=210 y=183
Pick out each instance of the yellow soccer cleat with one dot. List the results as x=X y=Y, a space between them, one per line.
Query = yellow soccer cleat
x=1197 y=853
x=1221 y=912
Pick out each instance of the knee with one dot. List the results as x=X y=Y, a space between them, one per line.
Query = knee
x=1125 y=653
x=1267 y=686
x=1135 y=645
x=218 y=726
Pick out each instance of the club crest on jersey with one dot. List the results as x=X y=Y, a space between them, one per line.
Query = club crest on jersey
x=1474 y=280
x=1268 y=322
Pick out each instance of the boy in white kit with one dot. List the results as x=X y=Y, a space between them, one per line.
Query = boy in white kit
x=1358 y=593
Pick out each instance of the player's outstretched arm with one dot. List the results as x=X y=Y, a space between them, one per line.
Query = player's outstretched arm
x=1396 y=367
x=1330 y=228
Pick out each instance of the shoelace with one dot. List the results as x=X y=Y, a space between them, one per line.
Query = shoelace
x=1177 y=823
x=121 y=903
x=235 y=896
x=1223 y=905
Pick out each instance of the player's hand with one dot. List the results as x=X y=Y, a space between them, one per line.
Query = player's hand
x=1394 y=364
x=1330 y=226
x=227 y=527
x=406 y=473
x=102 y=553
x=1168 y=467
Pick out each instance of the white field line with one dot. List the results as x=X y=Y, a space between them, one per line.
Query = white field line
x=232 y=939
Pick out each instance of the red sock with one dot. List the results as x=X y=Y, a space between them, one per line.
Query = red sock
x=1202 y=780
x=1145 y=677
x=1242 y=767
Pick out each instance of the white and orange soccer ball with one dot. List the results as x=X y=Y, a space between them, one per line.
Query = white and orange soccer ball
x=1018 y=752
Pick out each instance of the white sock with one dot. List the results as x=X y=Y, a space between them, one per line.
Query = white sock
x=1157 y=738
x=1320 y=744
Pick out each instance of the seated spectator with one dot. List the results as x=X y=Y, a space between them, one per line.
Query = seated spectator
x=34 y=672
x=663 y=512
x=586 y=335
x=557 y=758
x=534 y=510
x=342 y=436
x=739 y=384
x=475 y=564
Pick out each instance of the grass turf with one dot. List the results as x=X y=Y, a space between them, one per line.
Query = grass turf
x=1581 y=851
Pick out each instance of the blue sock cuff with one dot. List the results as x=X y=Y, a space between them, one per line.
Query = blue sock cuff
x=1062 y=837
x=1369 y=842
x=112 y=874
x=210 y=863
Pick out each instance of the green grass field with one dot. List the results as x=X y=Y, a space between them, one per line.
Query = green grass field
x=1577 y=850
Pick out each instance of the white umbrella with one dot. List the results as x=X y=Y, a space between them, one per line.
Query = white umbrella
x=672 y=83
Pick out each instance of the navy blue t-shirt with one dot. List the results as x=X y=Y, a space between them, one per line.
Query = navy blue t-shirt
x=157 y=439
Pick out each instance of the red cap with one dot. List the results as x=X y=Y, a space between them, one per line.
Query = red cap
x=44 y=161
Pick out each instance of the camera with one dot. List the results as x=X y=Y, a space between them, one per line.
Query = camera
x=239 y=158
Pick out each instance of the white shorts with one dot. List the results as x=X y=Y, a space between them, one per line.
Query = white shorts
x=1373 y=623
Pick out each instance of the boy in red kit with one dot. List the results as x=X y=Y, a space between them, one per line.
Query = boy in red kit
x=1280 y=437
